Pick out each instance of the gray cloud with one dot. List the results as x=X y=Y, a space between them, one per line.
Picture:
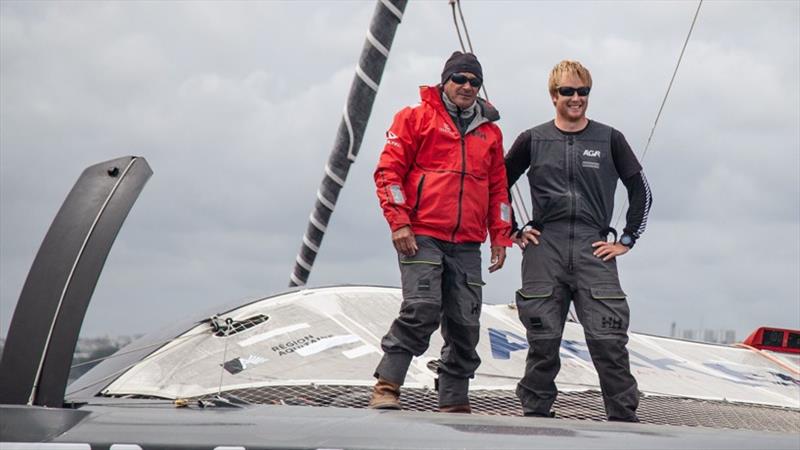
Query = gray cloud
x=235 y=105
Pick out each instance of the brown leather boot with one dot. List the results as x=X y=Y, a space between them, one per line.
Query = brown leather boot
x=464 y=409
x=385 y=395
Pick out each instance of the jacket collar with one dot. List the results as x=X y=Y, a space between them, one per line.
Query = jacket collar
x=432 y=96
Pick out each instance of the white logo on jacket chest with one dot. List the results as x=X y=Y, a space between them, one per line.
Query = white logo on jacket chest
x=591 y=153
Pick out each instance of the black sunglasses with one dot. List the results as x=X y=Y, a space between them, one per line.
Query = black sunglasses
x=460 y=78
x=570 y=91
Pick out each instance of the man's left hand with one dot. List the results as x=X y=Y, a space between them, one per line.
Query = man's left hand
x=498 y=258
x=609 y=250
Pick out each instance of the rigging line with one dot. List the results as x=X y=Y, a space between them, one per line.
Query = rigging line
x=134 y=350
x=517 y=199
x=672 y=80
x=455 y=22
x=664 y=100
x=224 y=356
x=772 y=358
x=521 y=202
x=107 y=377
x=103 y=379
x=466 y=33
x=124 y=369
x=469 y=42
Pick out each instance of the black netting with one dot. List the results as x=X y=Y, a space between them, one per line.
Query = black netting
x=586 y=405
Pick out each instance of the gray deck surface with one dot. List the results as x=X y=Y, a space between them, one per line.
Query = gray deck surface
x=151 y=424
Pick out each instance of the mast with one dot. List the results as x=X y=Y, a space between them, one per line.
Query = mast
x=387 y=16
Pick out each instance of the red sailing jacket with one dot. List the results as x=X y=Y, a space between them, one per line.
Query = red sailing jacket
x=445 y=186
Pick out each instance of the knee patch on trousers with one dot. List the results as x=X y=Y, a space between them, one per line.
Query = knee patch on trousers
x=420 y=312
x=411 y=331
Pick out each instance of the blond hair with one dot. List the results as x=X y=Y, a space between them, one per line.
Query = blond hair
x=567 y=67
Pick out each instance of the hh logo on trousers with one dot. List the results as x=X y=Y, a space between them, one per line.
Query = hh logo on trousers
x=612 y=322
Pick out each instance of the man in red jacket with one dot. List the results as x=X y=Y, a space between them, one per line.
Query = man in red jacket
x=441 y=182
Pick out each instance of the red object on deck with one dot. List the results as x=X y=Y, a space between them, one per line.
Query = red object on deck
x=775 y=340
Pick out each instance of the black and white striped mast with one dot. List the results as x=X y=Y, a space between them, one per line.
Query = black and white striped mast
x=388 y=15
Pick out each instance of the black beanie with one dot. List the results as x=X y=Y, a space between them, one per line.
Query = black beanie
x=461 y=62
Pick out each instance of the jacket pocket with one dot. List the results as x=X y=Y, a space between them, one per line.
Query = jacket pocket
x=419 y=194
x=478 y=157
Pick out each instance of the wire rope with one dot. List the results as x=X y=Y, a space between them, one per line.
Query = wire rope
x=664 y=100
x=133 y=350
x=516 y=195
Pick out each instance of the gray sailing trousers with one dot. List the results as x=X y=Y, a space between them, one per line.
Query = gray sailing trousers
x=441 y=285
x=561 y=269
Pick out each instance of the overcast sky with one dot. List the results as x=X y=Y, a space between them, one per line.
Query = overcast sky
x=235 y=106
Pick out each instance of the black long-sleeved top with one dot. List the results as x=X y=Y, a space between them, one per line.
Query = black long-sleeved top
x=540 y=152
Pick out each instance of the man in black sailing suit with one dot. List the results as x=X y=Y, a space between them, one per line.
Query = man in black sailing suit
x=573 y=165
